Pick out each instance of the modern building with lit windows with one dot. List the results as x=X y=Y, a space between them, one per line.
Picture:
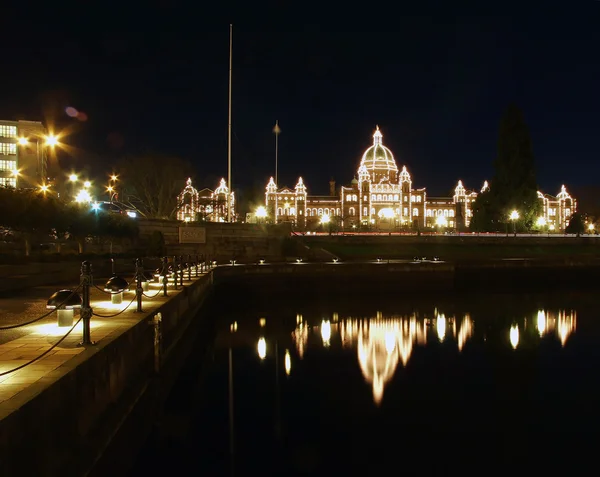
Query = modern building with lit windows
x=23 y=154
x=383 y=196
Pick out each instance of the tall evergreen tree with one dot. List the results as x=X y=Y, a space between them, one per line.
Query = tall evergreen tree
x=513 y=186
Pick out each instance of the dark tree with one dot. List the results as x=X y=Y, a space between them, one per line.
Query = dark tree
x=151 y=183
x=513 y=186
x=576 y=224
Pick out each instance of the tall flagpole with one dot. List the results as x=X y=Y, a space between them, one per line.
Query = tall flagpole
x=276 y=130
x=229 y=129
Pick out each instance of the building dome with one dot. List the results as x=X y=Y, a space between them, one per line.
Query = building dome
x=379 y=161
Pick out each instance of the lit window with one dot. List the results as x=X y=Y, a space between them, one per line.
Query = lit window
x=8 y=131
x=451 y=213
x=293 y=211
x=405 y=198
x=8 y=182
x=445 y=213
x=395 y=196
x=8 y=165
x=8 y=148
x=405 y=210
x=428 y=213
x=365 y=211
x=372 y=210
x=351 y=211
x=415 y=212
x=320 y=212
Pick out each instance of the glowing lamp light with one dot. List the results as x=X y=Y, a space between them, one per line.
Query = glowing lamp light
x=23 y=141
x=87 y=184
x=44 y=188
x=441 y=221
x=64 y=302
x=95 y=206
x=262 y=322
x=51 y=140
x=83 y=197
x=113 y=178
x=541 y=221
x=262 y=261
x=73 y=177
x=325 y=219
x=261 y=212
x=116 y=286
x=147 y=277
x=591 y=227
x=262 y=348
x=514 y=215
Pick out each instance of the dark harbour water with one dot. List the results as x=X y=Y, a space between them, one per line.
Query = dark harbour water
x=358 y=385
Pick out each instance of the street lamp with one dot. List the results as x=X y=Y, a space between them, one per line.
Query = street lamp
x=591 y=228
x=325 y=219
x=514 y=216
x=261 y=213
x=87 y=184
x=441 y=221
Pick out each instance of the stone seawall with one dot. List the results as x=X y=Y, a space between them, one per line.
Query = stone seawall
x=402 y=277
x=70 y=420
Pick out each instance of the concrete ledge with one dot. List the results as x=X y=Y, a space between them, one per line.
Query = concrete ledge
x=62 y=424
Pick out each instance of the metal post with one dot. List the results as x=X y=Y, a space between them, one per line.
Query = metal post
x=196 y=267
x=175 y=278
x=165 y=270
x=139 y=271
x=181 y=270
x=86 y=309
x=189 y=268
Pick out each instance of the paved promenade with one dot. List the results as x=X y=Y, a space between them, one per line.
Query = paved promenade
x=19 y=346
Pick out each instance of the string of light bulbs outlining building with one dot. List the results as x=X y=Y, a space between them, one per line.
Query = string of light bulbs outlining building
x=380 y=195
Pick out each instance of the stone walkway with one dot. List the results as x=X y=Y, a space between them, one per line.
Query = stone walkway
x=21 y=345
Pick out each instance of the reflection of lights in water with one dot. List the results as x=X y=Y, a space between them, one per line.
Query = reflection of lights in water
x=233 y=327
x=514 y=336
x=390 y=341
x=562 y=323
x=298 y=319
x=465 y=331
x=440 y=324
x=262 y=322
x=287 y=362
x=326 y=332
x=300 y=335
x=541 y=322
x=262 y=348
x=566 y=325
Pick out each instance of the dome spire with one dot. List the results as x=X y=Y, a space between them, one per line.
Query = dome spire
x=377 y=136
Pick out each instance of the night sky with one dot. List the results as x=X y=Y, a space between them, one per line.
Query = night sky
x=436 y=84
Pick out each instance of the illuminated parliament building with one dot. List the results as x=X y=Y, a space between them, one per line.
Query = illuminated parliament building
x=383 y=196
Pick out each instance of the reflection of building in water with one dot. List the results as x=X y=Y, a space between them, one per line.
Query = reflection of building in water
x=562 y=323
x=382 y=344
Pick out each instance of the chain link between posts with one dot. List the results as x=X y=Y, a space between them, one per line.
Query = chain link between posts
x=118 y=313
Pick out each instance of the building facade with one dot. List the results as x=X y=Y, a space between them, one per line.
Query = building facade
x=23 y=155
x=383 y=196
x=205 y=205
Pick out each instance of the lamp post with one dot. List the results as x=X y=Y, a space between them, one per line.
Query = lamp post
x=261 y=213
x=514 y=216
x=73 y=180
x=541 y=223
x=325 y=220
